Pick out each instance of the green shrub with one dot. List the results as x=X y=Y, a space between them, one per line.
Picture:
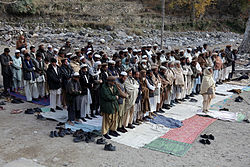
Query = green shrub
x=21 y=7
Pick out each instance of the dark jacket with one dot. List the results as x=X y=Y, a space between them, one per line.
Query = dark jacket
x=49 y=55
x=73 y=89
x=85 y=84
x=28 y=70
x=6 y=70
x=66 y=74
x=53 y=79
x=229 y=57
x=108 y=100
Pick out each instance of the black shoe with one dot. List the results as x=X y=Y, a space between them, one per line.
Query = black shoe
x=29 y=111
x=208 y=142
x=61 y=133
x=167 y=107
x=161 y=111
x=83 y=119
x=193 y=100
x=107 y=136
x=100 y=141
x=112 y=133
x=56 y=134
x=211 y=137
x=192 y=95
x=89 y=139
x=177 y=101
x=79 y=139
x=37 y=110
x=187 y=97
x=51 y=134
x=121 y=130
x=224 y=109
x=205 y=136
x=52 y=110
x=116 y=133
x=58 y=108
x=130 y=126
x=40 y=117
x=88 y=117
x=109 y=147
x=203 y=141
x=183 y=100
x=135 y=123
x=93 y=116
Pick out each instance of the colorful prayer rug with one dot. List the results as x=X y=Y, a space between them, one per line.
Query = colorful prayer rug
x=44 y=102
x=169 y=146
x=190 y=130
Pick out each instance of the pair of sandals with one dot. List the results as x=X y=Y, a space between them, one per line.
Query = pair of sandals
x=206 y=139
x=109 y=147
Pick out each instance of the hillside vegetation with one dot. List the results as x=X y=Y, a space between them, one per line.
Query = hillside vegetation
x=181 y=15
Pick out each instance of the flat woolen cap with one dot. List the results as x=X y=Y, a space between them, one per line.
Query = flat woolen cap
x=111 y=78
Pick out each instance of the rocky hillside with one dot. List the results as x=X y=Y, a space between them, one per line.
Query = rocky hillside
x=126 y=14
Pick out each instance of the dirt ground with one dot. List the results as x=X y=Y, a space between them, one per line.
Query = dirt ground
x=24 y=136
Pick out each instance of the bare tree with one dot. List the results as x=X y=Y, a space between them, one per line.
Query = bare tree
x=245 y=45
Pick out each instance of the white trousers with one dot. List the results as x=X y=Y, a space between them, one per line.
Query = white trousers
x=30 y=90
x=55 y=98
x=41 y=88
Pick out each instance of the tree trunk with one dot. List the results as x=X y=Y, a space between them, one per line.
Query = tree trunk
x=245 y=45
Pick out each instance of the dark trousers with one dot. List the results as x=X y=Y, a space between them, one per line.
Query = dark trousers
x=7 y=82
x=73 y=113
x=95 y=95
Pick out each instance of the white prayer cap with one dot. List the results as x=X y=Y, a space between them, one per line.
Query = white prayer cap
x=90 y=41
x=190 y=49
x=76 y=74
x=177 y=62
x=163 y=68
x=144 y=46
x=123 y=73
x=181 y=50
x=135 y=50
x=82 y=57
x=23 y=49
x=144 y=56
x=83 y=65
x=155 y=45
x=139 y=50
x=73 y=56
x=149 y=45
x=17 y=51
x=125 y=50
x=214 y=54
x=69 y=54
x=111 y=62
x=97 y=56
x=49 y=46
x=89 y=52
x=89 y=49
x=97 y=63
x=55 y=49
x=102 y=41
x=144 y=61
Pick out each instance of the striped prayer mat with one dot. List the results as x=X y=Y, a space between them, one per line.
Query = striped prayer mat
x=169 y=146
x=190 y=130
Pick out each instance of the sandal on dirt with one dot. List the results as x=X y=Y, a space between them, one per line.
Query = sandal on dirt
x=17 y=111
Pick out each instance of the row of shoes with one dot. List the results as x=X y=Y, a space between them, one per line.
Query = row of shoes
x=16 y=101
x=206 y=139
x=61 y=133
x=116 y=134
x=32 y=111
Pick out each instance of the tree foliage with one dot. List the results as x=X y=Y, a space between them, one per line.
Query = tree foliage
x=21 y=7
x=197 y=7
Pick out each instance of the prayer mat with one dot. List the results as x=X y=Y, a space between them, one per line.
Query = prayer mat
x=169 y=146
x=191 y=128
x=44 y=102
x=168 y=122
x=85 y=127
